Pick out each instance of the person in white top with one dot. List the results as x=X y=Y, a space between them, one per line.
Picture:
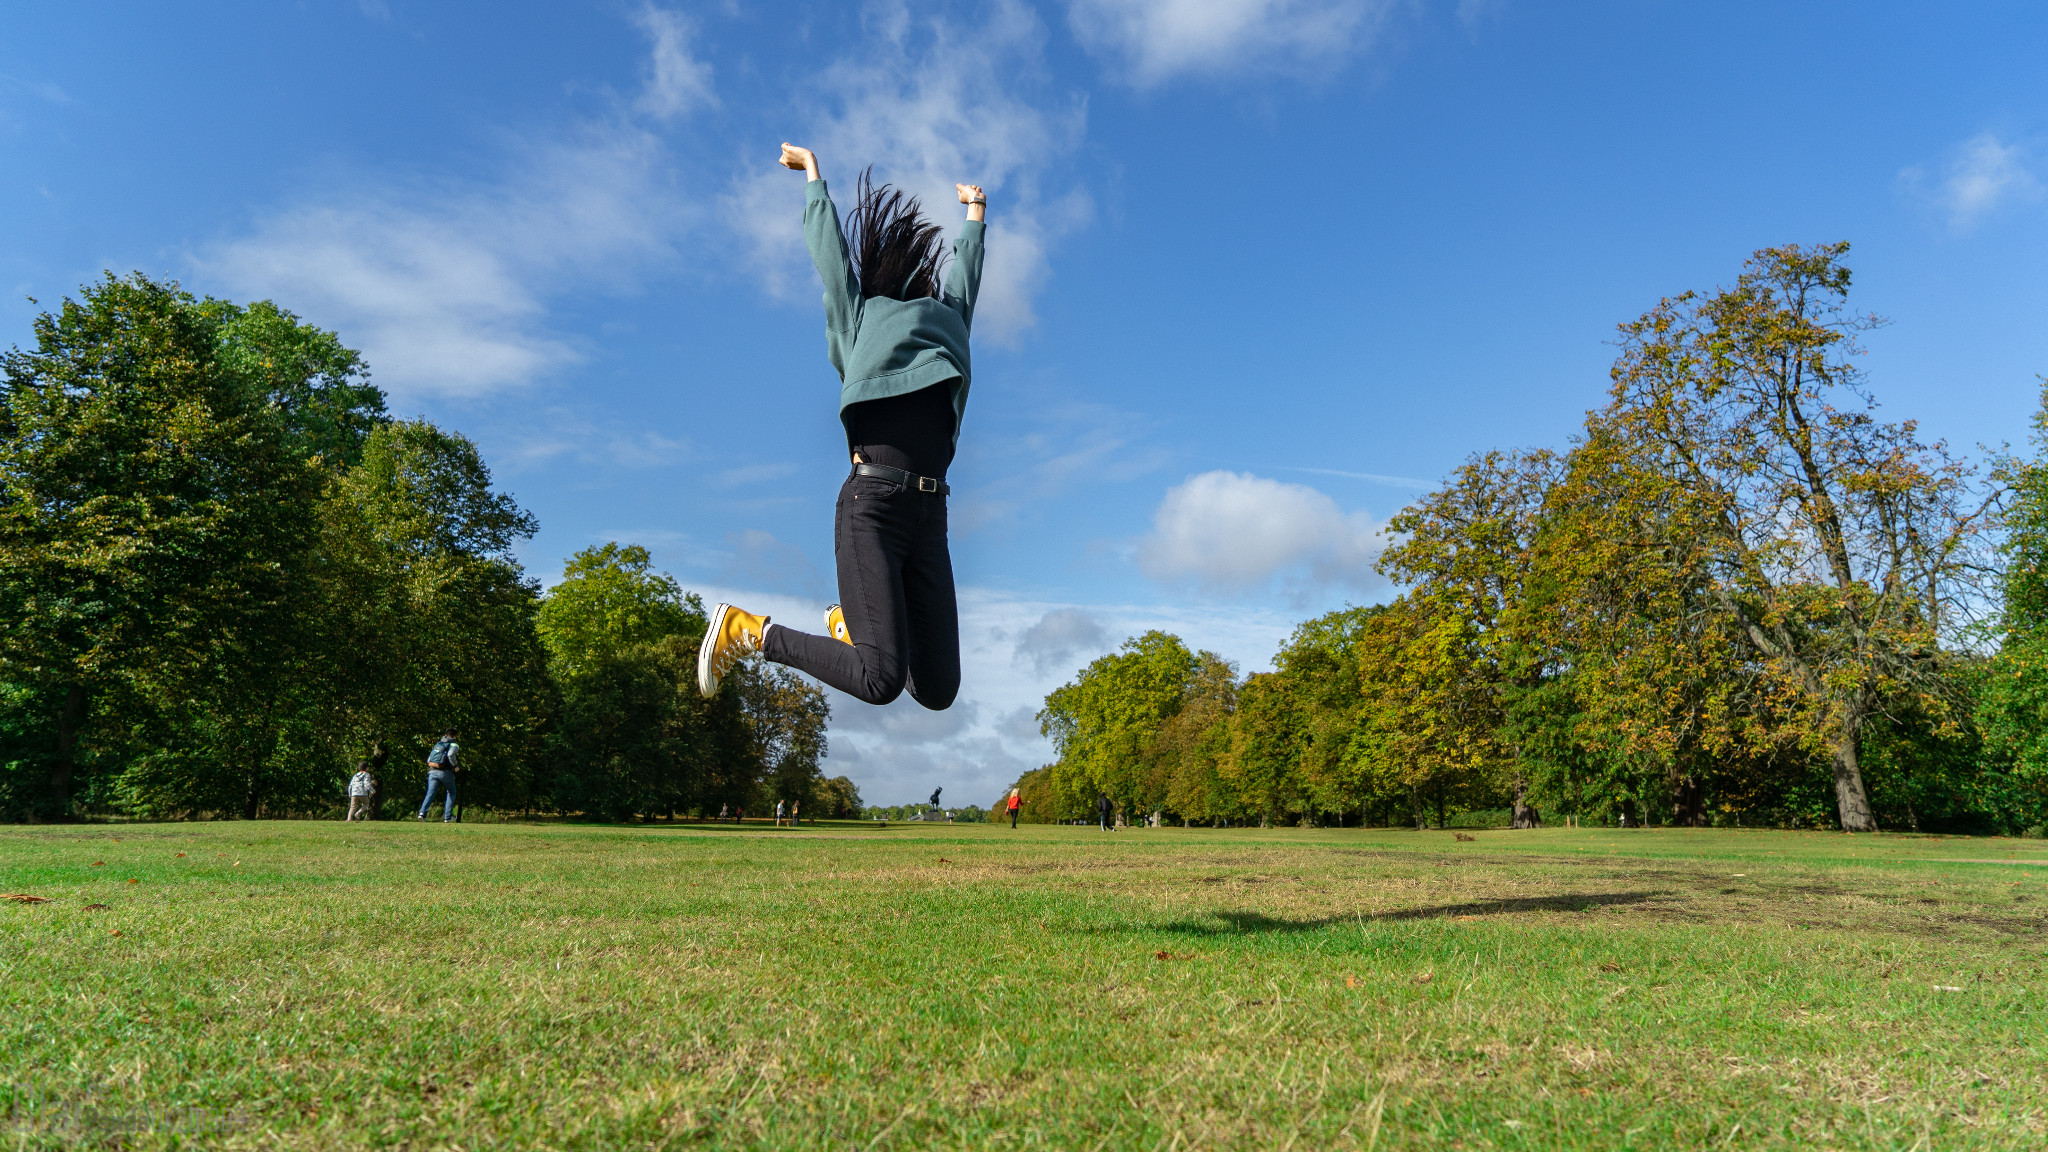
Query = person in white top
x=360 y=789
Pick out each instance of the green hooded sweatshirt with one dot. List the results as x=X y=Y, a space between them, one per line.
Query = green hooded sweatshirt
x=883 y=347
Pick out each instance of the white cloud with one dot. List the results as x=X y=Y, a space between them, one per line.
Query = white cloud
x=931 y=103
x=1983 y=175
x=446 y=287
x=1162 y=39
x=1234 y=532
x=677 y=82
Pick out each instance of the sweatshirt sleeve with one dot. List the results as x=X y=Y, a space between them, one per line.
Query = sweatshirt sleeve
x=963 y=276
x=828 y=251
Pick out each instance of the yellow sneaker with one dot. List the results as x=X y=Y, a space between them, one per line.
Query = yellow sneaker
x=733 y=636
x=835 y=625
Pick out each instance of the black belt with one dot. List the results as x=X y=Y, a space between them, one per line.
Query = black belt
x=899 y=476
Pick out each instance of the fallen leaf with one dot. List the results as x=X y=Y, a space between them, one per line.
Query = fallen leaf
x=95 y=907
x=25 y=898
x=1160 y=956
x=181 y=854
x=1425 y=978
x=1610 y=966
x=1462 y=836
x=1350 y=981
x=97 y=863
x=133 y=880
x=943 y=860
x=115 y=932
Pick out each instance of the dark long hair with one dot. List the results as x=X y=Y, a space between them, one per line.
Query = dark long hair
x=897 y=253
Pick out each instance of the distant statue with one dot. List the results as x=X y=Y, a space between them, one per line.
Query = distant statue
x=935 y=796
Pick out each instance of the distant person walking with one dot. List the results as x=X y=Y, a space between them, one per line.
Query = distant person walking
x=781 y=806
x=360 y=788
x=442 y=765
x=1014 y=803
x=1102 y=810
x=795 y=806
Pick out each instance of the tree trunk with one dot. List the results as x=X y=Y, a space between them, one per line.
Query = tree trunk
x=378 y=755
x=70 y=719
x=1525 y=816
x=1852 y=801
x=1686 y=809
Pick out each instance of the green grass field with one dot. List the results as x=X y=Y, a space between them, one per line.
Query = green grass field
x=299 y=985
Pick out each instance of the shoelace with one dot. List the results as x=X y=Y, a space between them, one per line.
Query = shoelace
x=742 y=644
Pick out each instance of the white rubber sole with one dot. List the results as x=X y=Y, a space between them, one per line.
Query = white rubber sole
x=707 y=684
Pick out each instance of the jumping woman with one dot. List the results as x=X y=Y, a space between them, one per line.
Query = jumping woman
x=898 y=339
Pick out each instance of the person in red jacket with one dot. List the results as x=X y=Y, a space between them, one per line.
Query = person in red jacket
x=1014 y=802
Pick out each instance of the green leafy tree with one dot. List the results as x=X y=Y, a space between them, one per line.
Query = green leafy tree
x=1190 y=752
x=2013 y=699
x=610 y=599
x=1104 y=722
x=155 y=511
x=1841 y=547
x=1467 y=553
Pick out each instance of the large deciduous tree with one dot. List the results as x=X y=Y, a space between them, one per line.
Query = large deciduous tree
x=155 y=513
x=1466 y=553
x=1839 y=546
x=1104 y=722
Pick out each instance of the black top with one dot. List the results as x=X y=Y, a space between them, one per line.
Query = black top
x=913 y=431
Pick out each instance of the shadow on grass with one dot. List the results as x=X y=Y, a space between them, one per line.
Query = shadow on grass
x=1240 y=923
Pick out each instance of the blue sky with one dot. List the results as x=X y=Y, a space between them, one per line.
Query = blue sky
x=1259 y=270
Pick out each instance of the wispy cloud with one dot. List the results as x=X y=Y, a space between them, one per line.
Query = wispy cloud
x=1373 y=478
x=555 y=434
x=677 y=82
x=1231 y=532
x=39 y=89
x=1046 y=451
x=447 y=286
x=1982 y=175
x=931 y=102
x=1159 y=40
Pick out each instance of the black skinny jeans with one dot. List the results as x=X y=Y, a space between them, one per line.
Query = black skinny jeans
x=896 y=589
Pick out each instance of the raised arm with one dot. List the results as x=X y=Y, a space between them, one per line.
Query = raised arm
x=801 y=159
x=823 y=236
x=963 y=275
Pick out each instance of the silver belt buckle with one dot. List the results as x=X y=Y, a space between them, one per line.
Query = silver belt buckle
x=927 y=484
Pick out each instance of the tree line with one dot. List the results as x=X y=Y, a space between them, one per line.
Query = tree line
x=1738 y=597
x=228 y=576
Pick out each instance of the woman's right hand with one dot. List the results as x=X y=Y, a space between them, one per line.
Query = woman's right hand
x=801 y=159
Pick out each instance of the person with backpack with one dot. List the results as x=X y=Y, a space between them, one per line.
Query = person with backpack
x=1102 y=810
x=442 y=765
x=361 y=788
